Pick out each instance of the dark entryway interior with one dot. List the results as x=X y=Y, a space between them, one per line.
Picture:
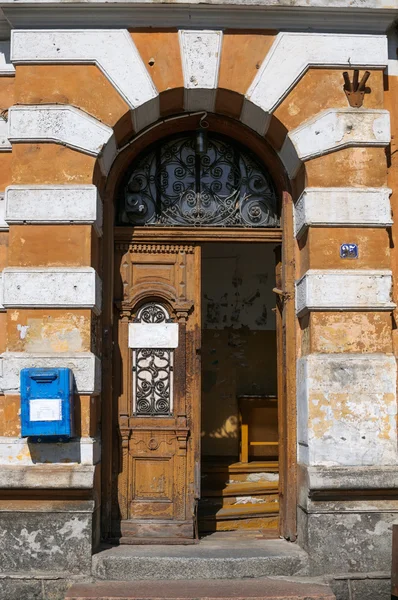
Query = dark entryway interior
x=239 y=431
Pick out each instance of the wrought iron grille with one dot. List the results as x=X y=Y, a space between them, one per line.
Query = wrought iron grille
x=174 y=185
x=152 y=370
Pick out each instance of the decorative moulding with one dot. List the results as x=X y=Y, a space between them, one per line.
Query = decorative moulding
x=342 y=207
x=319 y=15
x=350 y=478
x=61 y=124
x=57 y=459
x=323 y=290
x=201 y=55
x=112 y=50
x=61 y=287
x=79 y=204
x=293 y=53
x=331 y=130
x=86 y=368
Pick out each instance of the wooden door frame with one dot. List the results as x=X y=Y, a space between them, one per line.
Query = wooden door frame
x=283 y=235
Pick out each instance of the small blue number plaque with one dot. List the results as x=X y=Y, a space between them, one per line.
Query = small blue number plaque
x=349 y=251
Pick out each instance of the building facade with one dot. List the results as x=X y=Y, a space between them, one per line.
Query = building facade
x=197 y=202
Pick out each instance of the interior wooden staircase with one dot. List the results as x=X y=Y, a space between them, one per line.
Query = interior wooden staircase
x=239 y=496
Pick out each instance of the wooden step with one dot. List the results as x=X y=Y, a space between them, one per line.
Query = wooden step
x=242 y=488
x=218 y=589
x=234 y=511
x=269 y=524
x=262 y=466
x=218 y=502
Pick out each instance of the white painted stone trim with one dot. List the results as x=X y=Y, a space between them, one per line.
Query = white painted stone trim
x=3 y=223
x=201 y=56
x=351 y=478
x=293 y=53
x=53 y=204
x=5 y=144
x=112 y=50
x=86 y=368
x=2 y=308
x=6 y=67
x=331 y=130
x=347 y=410
x=46 y=476
x=17 y=451
x=61 y=124
x=342 y=207
x=108 y=155
x=42 y=287
x=323 y=290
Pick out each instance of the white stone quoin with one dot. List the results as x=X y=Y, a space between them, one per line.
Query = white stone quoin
x=333 y=129
x=41 y=287
x=3 y=222
x=79 y=204
x=342 y=207
x=324 y=289
x=6 y=67
x=112 y=50
x=5 y=144
x=200 y=55
x=86 y=368
x=347 y=410
x=2 y=308
x=17 y=452
x=61 y=124
x=293 y=53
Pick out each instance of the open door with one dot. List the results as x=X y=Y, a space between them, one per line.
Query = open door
x=158 y=392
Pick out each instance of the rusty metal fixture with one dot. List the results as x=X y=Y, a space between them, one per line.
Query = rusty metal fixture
x=355 y=91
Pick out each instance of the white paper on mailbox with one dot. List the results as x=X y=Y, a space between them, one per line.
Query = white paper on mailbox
x=153 y=335
x=49 y=409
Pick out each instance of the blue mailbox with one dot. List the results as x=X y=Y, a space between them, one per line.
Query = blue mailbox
x=47 y=403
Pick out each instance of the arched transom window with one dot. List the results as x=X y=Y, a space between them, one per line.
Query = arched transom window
x=198 y=179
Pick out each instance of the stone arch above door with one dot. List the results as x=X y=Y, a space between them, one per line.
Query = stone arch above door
x=200 y=74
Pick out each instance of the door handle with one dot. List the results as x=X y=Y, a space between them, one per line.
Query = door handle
x=281 y=293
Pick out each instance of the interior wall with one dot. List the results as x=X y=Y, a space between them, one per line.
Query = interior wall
x=238 y=337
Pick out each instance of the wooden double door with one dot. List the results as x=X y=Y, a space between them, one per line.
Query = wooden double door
x=157 y=383
x=157 y=363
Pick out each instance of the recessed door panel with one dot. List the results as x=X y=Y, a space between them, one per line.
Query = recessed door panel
x=158 y=401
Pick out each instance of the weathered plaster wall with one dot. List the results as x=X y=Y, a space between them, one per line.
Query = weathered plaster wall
x=278 y=84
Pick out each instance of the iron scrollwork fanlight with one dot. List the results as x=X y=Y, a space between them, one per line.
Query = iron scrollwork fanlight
x=174 y=185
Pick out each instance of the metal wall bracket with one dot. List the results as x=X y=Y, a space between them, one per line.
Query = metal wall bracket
x=355 y=91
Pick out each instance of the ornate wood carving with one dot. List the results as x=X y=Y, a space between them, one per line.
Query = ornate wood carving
x=158 y=450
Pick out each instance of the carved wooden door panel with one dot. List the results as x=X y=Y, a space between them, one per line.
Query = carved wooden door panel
x=159 y=389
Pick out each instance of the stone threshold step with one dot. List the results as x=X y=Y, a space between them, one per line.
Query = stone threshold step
x=217 y=556
x=239 y=589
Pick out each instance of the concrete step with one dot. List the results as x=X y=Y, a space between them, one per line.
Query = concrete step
x=219 y=556
x=252 y=589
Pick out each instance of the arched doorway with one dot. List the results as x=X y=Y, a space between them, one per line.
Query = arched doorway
x=197 y=262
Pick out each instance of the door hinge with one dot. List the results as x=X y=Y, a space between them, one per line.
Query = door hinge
x=281 y=293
